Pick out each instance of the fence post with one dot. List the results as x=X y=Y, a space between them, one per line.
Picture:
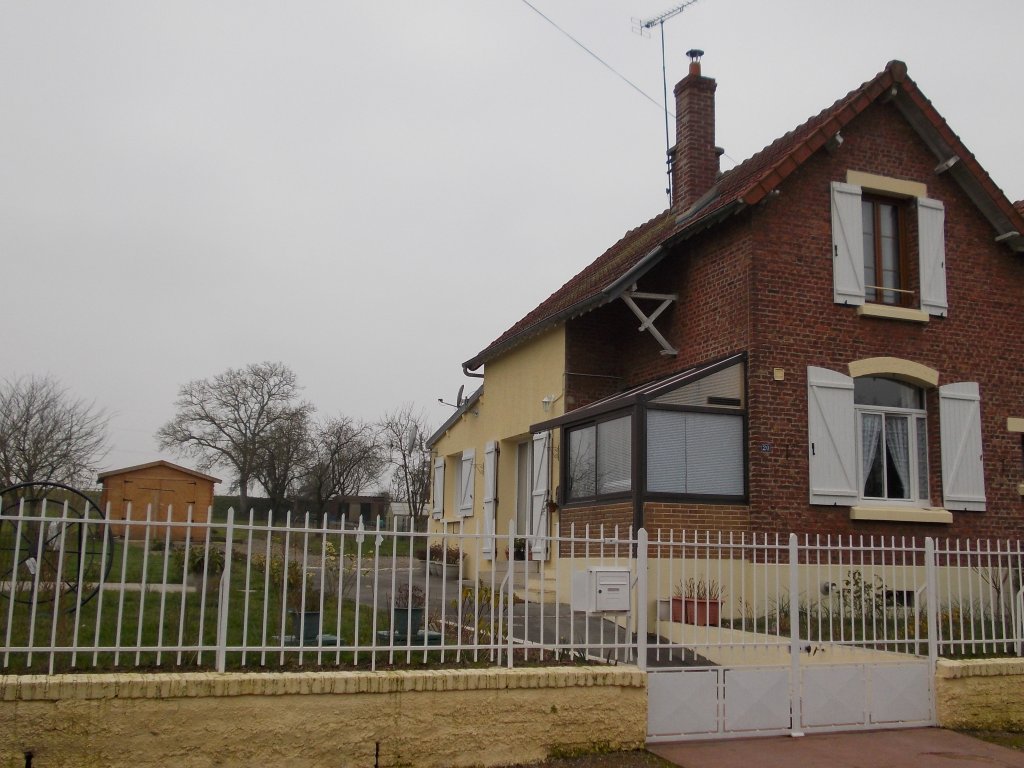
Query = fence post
x=796 y=707
x=641 y=599
x=223 y=598
x=510 y=579
x=931 y=582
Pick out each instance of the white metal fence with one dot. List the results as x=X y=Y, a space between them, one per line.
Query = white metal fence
x=82 y=592
x=832 y=593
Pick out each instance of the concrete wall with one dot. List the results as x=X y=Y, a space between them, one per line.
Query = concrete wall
x=980 y=694
x=418 y=718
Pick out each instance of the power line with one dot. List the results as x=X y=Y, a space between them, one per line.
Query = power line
x=603 y=63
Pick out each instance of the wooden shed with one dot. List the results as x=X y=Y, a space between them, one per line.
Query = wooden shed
x=158 y=486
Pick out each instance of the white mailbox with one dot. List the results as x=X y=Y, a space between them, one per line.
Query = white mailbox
x=600 y=588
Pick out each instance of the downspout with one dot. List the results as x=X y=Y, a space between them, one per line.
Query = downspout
x=466 y=372
x=639 y=468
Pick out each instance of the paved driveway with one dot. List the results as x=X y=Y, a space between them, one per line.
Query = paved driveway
x=908 y=748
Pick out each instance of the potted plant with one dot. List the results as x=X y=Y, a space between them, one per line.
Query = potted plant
x=520 y=550
x=444 y=559
x=697 y=601
x=407 y=606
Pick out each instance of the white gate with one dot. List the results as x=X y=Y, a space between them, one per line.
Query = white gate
x=859 y=656
x=718 y=702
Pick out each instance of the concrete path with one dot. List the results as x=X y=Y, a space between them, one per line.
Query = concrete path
x=907 y=748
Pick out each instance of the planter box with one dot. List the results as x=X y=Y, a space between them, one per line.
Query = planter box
x=444 y=570
x=693 y=610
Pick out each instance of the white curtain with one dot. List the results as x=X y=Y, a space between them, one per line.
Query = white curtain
x=898 y=443
x=870 y=429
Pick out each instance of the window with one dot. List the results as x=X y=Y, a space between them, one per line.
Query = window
x=885 y=274
x=868 y=442
x=893 y=440
x=599 y=459
x=694 y=453
x=873 y=250
x=691 y=439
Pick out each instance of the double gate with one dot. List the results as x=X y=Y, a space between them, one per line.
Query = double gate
x=809 y=637
x=735 y=700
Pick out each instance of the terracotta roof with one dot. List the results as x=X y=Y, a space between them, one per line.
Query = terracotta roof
x=746 y=184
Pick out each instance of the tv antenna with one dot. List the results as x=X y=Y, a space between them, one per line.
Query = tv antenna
x=643 y=28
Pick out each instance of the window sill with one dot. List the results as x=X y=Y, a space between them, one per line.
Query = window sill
x=896 y=514
x=893 y=313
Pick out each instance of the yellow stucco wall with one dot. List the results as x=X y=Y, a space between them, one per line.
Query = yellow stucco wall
x=418 y=718
x=515 y=387
x=980 y=694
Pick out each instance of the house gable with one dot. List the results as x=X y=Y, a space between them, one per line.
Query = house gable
x=752 y=182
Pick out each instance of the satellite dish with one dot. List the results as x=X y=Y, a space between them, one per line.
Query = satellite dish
x=411 y=444
x=458 y=398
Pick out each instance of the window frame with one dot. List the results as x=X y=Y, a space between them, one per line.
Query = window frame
x=835 y=468
x=593 y=423
x=875 y=294
x=741 y=413
x=637 y=403
x=923 y=257
x=914 y=416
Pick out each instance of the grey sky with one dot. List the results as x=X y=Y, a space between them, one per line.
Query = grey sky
x=371 y=192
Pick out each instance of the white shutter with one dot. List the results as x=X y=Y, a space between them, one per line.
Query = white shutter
x=438 y=487
x=490 y=498
x=832 y=450
x=539 y=494
x=847 y=245
x=931 y=217
x=467 y=481
x=963 y=474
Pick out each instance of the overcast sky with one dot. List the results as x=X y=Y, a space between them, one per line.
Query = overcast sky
x=371 y=192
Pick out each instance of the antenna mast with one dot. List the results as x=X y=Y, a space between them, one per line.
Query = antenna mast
x=643 y=27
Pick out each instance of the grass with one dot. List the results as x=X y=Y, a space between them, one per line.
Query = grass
x=1009 y=739
x=142 y=616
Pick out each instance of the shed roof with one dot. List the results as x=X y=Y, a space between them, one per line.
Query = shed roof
x=642 y=248
x=158 y=463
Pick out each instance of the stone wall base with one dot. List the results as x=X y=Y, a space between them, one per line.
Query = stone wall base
x=485 y=717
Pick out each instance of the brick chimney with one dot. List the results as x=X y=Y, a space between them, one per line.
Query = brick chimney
x=695 y=163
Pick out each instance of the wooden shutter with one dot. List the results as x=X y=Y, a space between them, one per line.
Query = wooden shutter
x=490 y=498
x=539 y=494
x=438 y=487
x=963 y=472
x=832 y=450
x=847 y=245
x=931 y=217
x=467 y=482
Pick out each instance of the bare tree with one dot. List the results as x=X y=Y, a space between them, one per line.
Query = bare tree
x=404 y=434
x=225 y=419
x=346 y=457
x=283 y=455
x=46 y=434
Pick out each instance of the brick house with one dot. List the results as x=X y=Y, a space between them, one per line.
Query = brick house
x=828 y=342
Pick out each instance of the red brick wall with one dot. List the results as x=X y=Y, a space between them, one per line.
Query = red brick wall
x=762 y=282
x=619 y=513
x=796 y=324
